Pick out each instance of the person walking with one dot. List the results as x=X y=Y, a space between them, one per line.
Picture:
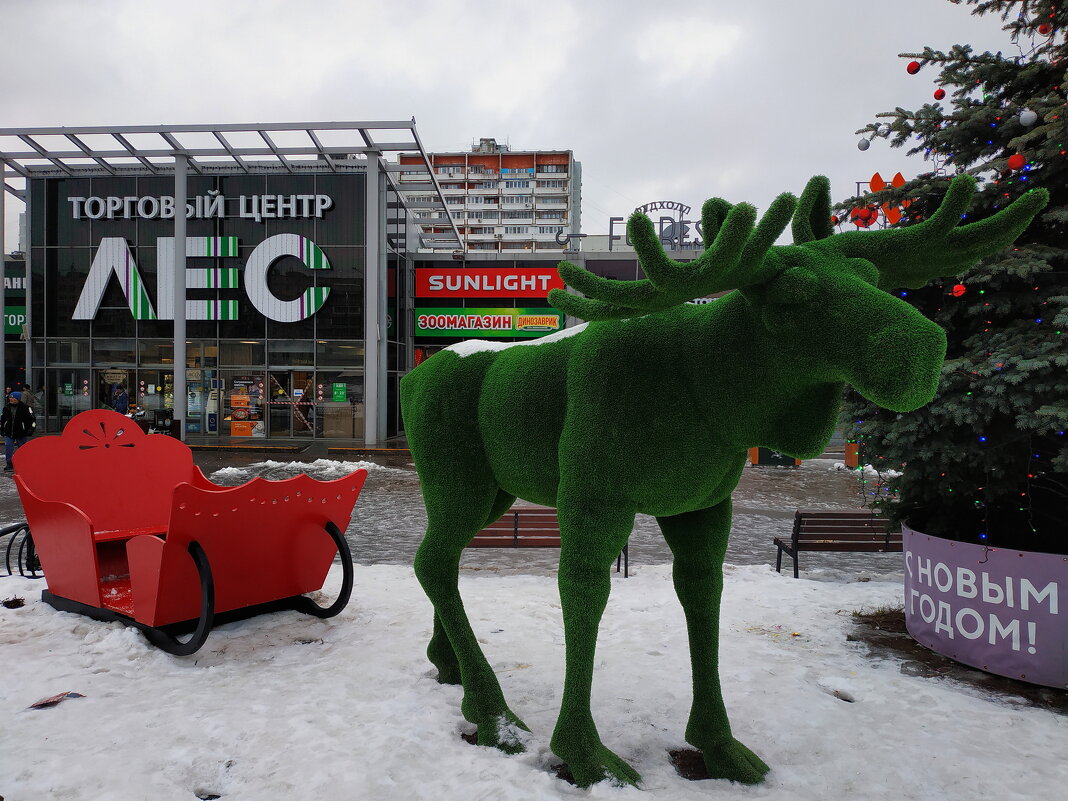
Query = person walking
x=17 y=423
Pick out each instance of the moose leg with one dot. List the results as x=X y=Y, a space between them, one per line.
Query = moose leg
x=590 y=539
x=454 y=648
x=440 y=651
x=698 y=542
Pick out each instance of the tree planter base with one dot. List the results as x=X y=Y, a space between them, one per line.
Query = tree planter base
x=1000 y=610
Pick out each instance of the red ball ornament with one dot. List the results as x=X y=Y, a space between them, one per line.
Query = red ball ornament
x=1045 y=28
x=913 y=67
x=864 y=213
x=958 y=290
x=834 y=219
x=1016 y=161
x=939 y=94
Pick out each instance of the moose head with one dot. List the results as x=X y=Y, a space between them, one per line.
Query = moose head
x=651 y=407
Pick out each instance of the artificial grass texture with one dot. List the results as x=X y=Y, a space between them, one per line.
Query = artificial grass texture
x=652 y=407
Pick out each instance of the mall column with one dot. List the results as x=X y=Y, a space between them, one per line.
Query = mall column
x=374 y=374
x=181 y=401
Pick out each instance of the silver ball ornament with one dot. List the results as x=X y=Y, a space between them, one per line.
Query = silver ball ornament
x=1028 y=118
x=863 y=144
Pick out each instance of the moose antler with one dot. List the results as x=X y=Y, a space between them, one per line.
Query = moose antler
x=938 y=246
x=812 y=220
x=733 y=259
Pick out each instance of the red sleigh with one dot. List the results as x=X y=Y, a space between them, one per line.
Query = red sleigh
x=128 y=528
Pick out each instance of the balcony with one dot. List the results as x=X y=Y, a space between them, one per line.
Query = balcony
x=551 y=190
x=548 y=176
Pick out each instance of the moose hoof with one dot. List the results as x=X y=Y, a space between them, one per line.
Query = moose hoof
x=506 y=733
x=733 y=761
x=602 y=765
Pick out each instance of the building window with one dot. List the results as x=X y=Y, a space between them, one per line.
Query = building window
x=516 y=184
x=452 y=201
x=555 y=183
x=475 y=215
x=516 y=215
x=515 y=229
x=550 y=229
x=551 y=215
x=552 y=168
x=513 y=199
x=486 y=185
x=475 y=199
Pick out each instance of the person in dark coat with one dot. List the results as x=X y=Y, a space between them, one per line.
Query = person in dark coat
x=17 y=423
x=120 y=399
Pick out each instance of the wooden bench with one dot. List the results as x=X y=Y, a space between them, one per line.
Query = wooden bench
x=127 y=528
x=848 y=531
x=531 y=527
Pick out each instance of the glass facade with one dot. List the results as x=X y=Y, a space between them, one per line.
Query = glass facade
x=275 y=301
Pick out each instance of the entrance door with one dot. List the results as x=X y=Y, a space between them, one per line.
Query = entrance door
x=291 y=407
x=71 y=393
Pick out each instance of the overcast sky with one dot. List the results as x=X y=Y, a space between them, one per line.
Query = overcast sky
x=658 y=101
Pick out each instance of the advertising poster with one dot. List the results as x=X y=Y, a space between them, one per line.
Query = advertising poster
x=487 y=322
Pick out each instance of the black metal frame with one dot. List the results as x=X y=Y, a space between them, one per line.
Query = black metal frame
x=25 y=555
x=165 y=637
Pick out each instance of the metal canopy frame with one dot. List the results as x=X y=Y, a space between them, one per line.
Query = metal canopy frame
x=58 y=152
x=216 y=149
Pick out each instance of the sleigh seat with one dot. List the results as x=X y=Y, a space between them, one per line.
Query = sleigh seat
x=128 y=528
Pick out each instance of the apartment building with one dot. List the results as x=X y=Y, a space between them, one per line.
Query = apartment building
x=501 y=200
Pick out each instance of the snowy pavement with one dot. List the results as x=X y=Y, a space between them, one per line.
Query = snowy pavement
x=291 y=708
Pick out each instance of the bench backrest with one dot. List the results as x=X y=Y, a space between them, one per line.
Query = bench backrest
x=851 y=524
x=107 y=467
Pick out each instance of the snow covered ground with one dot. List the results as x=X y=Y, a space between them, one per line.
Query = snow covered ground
x=293 y=708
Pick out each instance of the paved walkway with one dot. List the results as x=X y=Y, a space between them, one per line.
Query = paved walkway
x=389 y=519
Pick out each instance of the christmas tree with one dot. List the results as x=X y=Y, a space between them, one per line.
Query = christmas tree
x=987 y=460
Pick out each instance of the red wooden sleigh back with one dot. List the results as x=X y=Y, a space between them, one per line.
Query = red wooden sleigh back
x=127 y=527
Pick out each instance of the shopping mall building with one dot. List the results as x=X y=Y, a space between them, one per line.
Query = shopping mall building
x=296 y=318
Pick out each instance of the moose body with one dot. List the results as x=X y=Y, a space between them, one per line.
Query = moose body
x=650 y=408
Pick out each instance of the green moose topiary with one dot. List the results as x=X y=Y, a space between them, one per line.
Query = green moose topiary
x=651 y=407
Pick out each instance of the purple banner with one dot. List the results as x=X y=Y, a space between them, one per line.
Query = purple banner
x=991 y=608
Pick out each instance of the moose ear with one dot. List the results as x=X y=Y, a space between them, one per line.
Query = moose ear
x=812 y=220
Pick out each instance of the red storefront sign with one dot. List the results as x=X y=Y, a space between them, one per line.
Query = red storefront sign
x=486 y=282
